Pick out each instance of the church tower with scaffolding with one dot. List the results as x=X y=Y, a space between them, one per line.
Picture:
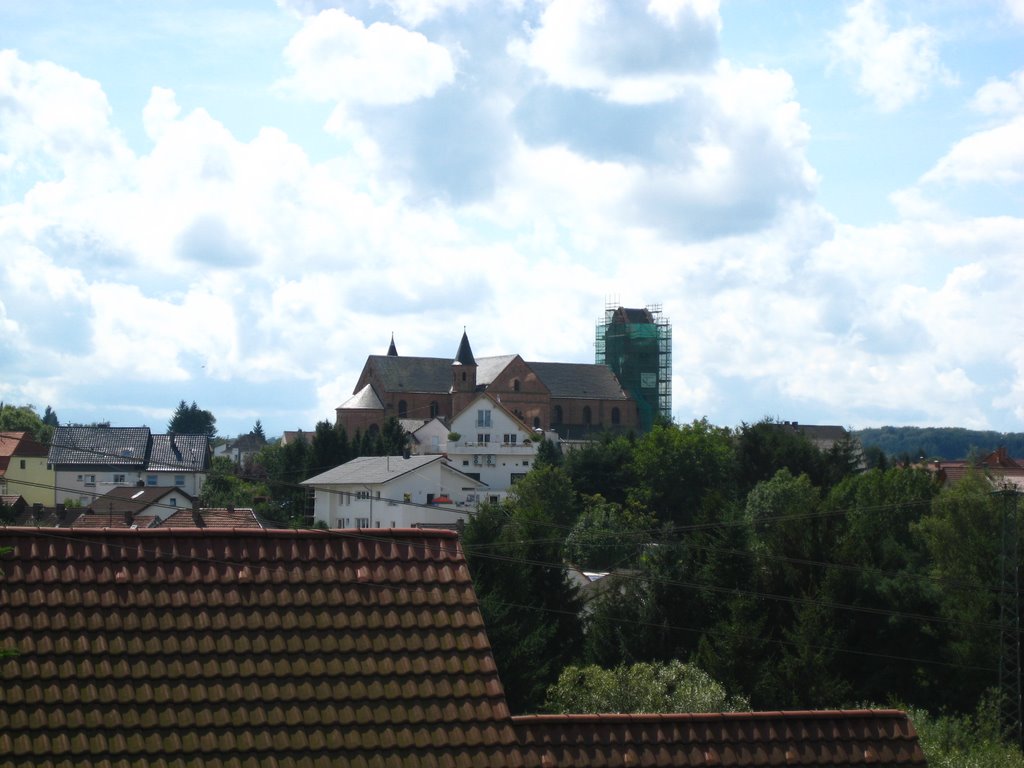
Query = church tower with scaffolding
x=637 y=345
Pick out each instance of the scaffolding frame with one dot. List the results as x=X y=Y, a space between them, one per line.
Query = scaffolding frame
x=635 y=343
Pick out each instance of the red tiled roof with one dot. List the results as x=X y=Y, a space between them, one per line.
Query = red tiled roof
x=239 y=517
x=254 y=647
x=820 y=738
x=308 y=648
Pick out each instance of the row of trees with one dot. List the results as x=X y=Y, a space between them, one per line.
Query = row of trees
x=790 y=575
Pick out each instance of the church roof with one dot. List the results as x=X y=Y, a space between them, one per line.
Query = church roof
x=364 y=399
x=579 y=380
x=413 y=374
x=465 y=354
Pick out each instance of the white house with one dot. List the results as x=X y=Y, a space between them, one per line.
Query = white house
x=89 y=461
x=393 y=492
x=494 y=445
x=428 y=435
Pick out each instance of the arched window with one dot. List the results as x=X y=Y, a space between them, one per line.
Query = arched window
x=536 y=422
x=615 y=416
x=374 y=429
x=586 y=414
x=434 y=409
x=515 y=385
x=403 y=409
x=556 y=415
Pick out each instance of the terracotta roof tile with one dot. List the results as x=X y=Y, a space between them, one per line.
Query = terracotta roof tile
x=172 y=646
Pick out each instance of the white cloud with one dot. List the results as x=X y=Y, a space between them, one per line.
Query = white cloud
x=894 y=66
x=1016 y=9
x=160 y=112
x=623 y=50
x=993 y=155
x=334 y=57
x=1001 y=97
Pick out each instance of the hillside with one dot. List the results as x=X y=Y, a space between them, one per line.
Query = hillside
x=939 y=442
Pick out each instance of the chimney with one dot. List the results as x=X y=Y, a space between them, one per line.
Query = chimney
x=128 y=521
x=197 y=519
x=230 y=508
x=62 y=512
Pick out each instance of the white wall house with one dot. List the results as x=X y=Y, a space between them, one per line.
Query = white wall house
x=429 y=436
x=89 y=461
x=494 y=446
x=393 y=492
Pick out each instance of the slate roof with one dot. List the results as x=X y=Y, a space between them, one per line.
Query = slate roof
x=91 y=446
x=179 y=453
x=413 y=374
x=579 y=380
x=489 y=367
x=215 y=647
x=373 y=470
x=464 y=354
x=364 y=399
x=434 y=375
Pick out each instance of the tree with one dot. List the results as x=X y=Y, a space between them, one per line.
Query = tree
x=548 y=455
x=257 y=430
x=604 y=467
x=515 y=553
x=394 y=440
x=224 y=486
x=681 y=470
x=606 y=536
x=191 y=420
x=23 y=418
x=660 y=687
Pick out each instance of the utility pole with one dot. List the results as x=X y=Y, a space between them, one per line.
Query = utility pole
x=1009 y=617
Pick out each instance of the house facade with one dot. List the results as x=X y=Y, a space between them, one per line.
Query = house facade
x=89 y=461
x=393 y=492
x=493 y=445
x=575 y=400
x=24 y=470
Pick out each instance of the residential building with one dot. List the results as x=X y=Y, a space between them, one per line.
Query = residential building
x=426 y=436
x=574 y=399
x=1001 y=470
x=89 y=461
x=161 y=647
x=213 y=517
x=393 y=491
x=150 y=502
x=494 y=445
x=24 y=470
x=241 y=448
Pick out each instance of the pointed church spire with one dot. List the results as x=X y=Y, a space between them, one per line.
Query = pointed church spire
x=465 y=355
x=392 y=352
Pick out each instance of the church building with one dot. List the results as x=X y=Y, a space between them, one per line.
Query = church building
x=574 y=399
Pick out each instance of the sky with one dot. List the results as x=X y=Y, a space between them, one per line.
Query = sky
x=235 y=202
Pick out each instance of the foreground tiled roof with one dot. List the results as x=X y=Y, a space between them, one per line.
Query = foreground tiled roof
x=213 y=647
x=845 y=738
x=216 y=648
